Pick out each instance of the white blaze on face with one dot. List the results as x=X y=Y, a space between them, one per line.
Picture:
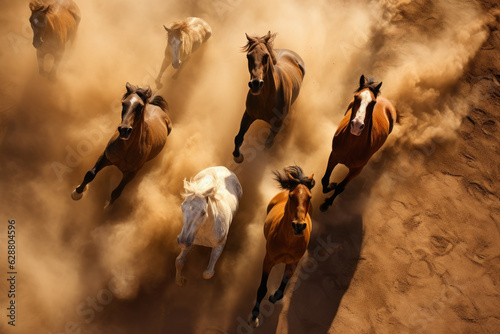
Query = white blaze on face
x=176 y=52
x=194 y=212
x=358 y=122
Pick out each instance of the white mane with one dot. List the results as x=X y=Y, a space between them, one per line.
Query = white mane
x=200 y=188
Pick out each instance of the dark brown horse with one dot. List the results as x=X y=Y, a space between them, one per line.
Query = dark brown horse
x=287 y=230
x=368 y=121
x=53 y=26
x=140 y=137
x=275 y=79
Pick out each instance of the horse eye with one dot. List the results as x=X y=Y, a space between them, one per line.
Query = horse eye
x=203 y=213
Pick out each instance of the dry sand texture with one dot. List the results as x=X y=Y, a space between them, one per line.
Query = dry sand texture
x=418 y=228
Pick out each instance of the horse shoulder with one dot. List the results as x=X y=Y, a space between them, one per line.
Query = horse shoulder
x=278 y=198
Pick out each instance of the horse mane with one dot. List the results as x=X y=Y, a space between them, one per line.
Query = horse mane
x=181 y=26
x=297 y=177
x=258 y=40
x=37 y=5
x=200 y=189
x=160 y=102
x=371 y=85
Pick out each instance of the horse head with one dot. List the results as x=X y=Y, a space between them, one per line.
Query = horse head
x=133 y=103
x=38 y=20
x=176 y=40
x=365 y=98
x=194 y=211
x=299 y=195
x=260 y=55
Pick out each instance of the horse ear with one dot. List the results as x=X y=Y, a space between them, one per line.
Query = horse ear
x=167 y=29
x=362 y=80
x=377 y=88
x=47 y=9
x=129 y=87
x=32 y=6
x=250 y=39
x=290 y=177
x=312 y=183
x=209 y=192
x=148 y=93
x=268 y=36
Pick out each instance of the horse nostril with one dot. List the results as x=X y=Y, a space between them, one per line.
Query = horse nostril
x=261 y=83
x=129 y=131
x=362 y=127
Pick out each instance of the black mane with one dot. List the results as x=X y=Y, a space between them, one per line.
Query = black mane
x=371 y=85
x=298 y=177
x=160 y=102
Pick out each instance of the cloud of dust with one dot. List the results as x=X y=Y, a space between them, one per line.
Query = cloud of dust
x=75 y=254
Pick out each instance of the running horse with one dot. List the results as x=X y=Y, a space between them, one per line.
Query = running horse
x=275 y=79
x=140 y=137
x=367 y=123
x=287 y=229
x=53 y=24
x=184 y=38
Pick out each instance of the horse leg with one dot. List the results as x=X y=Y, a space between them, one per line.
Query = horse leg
x=127 y=177
x=261 y=292
x=179 y=264
x=278 y=295
x=41 y=62
x=216 y=252
x=325 y=181
x=166 y=61
x=89 y=176
x=246 y=121
x=55 y=66
x=340 y=187
x=275 y=128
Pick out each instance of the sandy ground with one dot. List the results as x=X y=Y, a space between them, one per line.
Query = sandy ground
x=411 y=246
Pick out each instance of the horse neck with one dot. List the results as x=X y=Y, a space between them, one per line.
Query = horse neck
x=285 y=224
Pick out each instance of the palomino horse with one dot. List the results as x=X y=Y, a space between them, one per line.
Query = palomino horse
x=368 y=121
x=275 y=79
x=140 y=137
x=287 y=230
x=184 y=38
x=210 y=202
x=53 y=25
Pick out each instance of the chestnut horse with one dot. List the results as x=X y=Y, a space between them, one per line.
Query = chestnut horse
x=287 y=230
x=184 y=38
x=368 y=121
x=275 y=79
x=53 y=26
x=140 y=137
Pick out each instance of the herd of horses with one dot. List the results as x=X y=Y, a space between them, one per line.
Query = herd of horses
x=212 y=197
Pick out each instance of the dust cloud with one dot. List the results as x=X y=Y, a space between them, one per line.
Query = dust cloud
x=112 y=271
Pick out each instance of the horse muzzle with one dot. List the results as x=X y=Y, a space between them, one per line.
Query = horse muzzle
x=357 y=127
x=298 y=228
x=255 y=86
x=37 y=43
x=184 y=244
x=176 y=64
x=125 y=132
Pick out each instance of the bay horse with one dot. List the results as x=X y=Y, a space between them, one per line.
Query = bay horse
x=140 y=137
x=53 y=24
x=184 y=38
x=275 y=79
x=287 y=229
x=211 y=201
x=367 y=123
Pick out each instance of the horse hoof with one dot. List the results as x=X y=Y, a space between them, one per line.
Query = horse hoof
x=269 y=144
x=76 y=196
x=324 y=207
x=159 y=85
x=254 y=323
x=208 y=274
x=239 y=159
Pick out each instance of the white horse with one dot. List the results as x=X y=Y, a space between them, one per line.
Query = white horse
x=184 y=38
x=210 y=202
